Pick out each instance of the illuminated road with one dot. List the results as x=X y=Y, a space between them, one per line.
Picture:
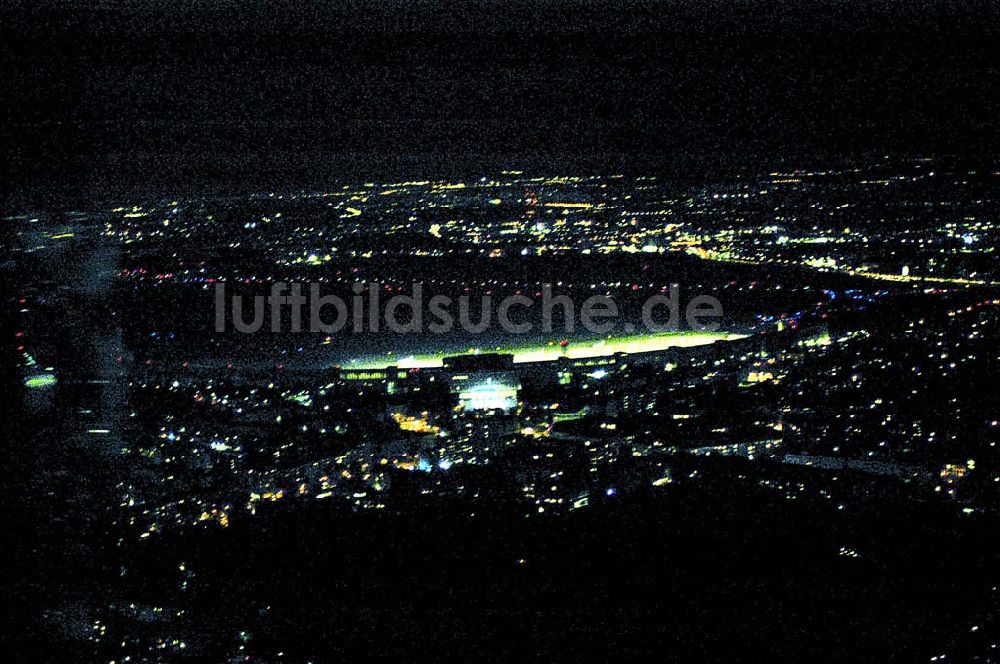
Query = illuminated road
x=720 y=257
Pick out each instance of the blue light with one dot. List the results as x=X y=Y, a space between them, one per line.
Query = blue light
x=444 y=464
x=611 y=491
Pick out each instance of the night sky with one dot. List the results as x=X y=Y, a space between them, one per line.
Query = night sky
x=149 y=98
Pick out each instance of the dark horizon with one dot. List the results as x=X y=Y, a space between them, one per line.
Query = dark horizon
x=108 y=104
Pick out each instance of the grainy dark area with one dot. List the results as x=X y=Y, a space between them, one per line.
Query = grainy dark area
x=501 y=331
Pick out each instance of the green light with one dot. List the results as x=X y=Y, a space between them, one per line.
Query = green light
x=544 y=352
x=40 y=380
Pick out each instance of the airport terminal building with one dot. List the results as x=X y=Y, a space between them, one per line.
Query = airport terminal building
x=489 y=381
